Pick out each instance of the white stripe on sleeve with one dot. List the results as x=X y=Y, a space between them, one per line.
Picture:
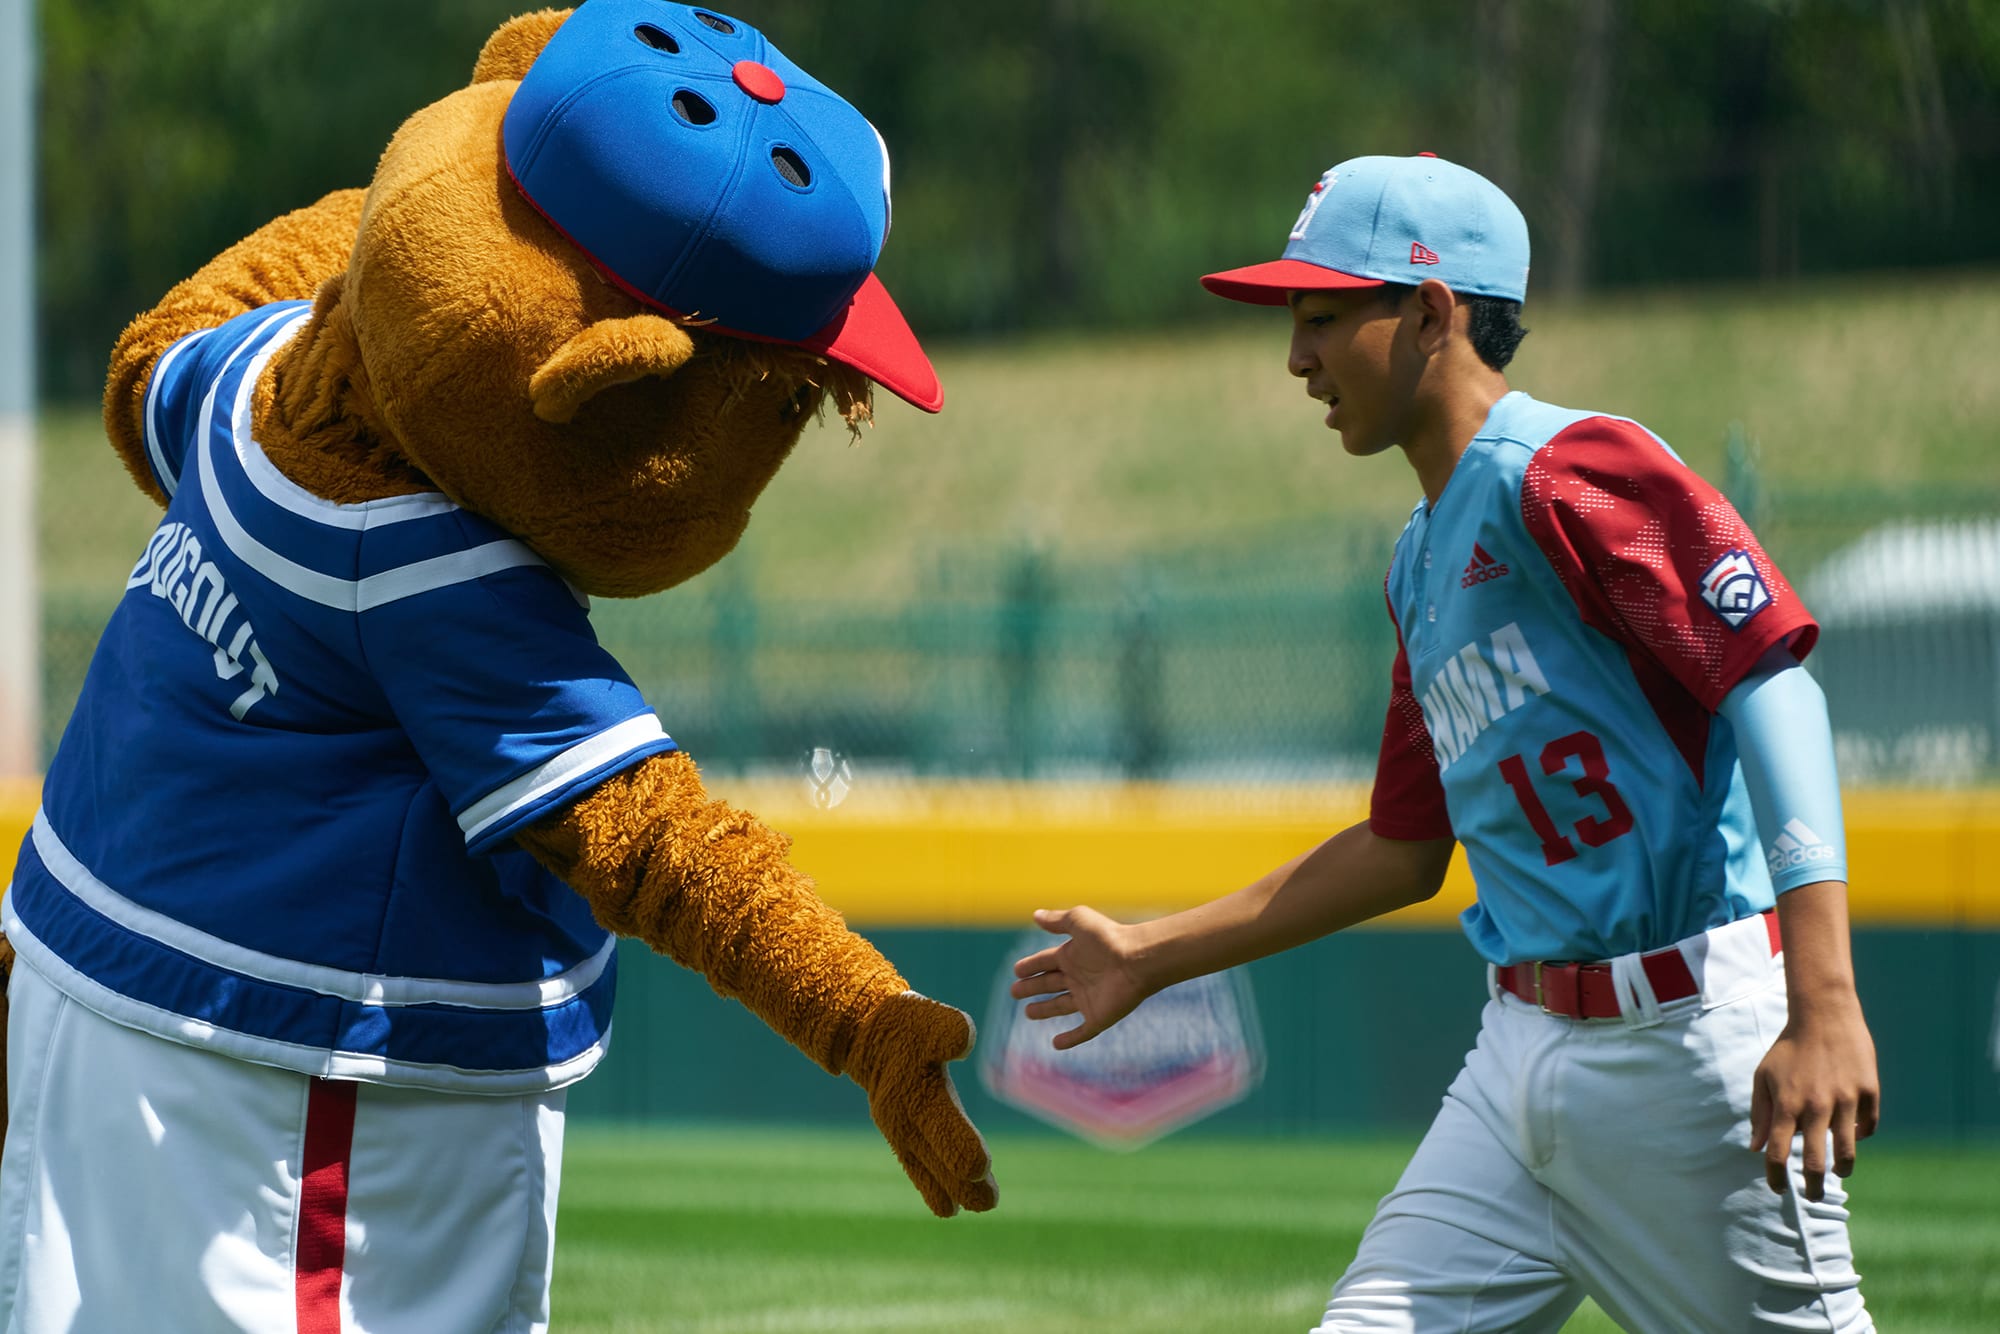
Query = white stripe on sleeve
x=579 y=759
x=169 y=480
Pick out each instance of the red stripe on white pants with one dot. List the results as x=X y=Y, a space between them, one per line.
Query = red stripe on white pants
x=322 y=1245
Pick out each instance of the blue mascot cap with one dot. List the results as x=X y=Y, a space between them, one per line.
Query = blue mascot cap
x=711 y=178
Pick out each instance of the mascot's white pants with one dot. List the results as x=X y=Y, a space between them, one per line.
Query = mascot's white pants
x=148 y=1185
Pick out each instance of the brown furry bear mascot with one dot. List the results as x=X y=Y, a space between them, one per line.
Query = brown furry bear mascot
x=316 y=923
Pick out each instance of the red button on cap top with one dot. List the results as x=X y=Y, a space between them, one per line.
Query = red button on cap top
x=1427 y=155
x=759 y=81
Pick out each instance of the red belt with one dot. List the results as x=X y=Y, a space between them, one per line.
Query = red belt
x=1584 y=990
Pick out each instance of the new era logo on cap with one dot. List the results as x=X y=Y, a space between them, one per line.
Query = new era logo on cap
x=1371 y=220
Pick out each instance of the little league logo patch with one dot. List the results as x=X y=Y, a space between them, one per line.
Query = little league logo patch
x=1734 y=589
x=1186 y=1052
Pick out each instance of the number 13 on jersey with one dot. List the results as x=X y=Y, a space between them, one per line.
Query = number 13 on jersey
x=1595 y=781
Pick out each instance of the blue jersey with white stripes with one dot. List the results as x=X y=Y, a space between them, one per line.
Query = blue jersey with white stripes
x=1570 y=613
x=278 y=824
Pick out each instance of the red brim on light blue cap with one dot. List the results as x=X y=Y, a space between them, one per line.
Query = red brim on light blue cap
x=1269 y=283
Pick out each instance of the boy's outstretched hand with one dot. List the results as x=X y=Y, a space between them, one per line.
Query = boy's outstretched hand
x=1094 y=973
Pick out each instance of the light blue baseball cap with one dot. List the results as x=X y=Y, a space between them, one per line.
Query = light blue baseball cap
x=1376 y=220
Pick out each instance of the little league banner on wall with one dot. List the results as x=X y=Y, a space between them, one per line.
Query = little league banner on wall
x=1185 y=1053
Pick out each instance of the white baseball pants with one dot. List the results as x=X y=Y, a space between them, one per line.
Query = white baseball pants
x=150 y=1185
x=1609 y=1158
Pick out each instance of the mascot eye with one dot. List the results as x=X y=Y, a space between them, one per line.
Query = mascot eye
x=716 y=21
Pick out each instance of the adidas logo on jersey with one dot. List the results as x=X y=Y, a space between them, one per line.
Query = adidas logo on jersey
x=1481 y=567
x=1796 y=846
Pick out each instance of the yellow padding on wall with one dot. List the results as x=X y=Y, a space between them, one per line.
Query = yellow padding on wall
x=980 y=854
x=988 y=858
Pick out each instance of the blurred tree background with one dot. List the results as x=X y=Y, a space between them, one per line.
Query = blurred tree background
x=1763 y=227
x=1075 y=163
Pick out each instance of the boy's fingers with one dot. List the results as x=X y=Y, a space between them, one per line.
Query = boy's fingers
x=1760 y=1114
x=1053 y=1008
x=1778 y=1151
x=1042 y=963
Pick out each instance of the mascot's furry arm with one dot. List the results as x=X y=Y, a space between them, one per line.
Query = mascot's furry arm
x=709 y=886
x=288 y=259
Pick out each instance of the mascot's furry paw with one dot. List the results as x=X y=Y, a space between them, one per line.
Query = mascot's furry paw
x=899 y=1057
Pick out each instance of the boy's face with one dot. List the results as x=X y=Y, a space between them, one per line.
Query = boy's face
x=1346 y=347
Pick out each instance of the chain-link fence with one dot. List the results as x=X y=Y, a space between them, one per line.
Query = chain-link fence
x=1262 y=660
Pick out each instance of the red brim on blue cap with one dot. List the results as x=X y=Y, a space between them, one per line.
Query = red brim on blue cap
x=871 y=335
x=711 y=178
x=1267 y=284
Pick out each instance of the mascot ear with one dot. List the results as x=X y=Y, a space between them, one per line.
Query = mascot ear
x=515 y=44
x=607 y=353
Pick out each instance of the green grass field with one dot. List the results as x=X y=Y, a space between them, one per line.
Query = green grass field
x=741 y=1232
x=1110 y=445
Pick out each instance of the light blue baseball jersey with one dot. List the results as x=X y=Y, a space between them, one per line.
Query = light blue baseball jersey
x=1569 y=614
x=278 y=824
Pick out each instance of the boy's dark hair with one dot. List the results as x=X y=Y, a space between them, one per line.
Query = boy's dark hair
x=1495 y=328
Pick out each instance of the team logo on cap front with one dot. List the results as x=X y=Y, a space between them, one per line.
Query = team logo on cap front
x=1734 y=589
x=1313 y=201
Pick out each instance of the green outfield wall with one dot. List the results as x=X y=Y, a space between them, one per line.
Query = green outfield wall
x=1362 y=1030
x=1362 y=1033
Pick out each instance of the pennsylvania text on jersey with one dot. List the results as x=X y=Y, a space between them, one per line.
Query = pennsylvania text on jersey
x=1473 y=689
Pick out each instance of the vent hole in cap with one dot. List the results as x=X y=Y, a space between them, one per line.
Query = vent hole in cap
x=791 y=166
x=716 y=22
x=693 y=108
x=656 y=38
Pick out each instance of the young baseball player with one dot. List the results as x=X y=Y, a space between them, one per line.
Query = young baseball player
x=1597 y=692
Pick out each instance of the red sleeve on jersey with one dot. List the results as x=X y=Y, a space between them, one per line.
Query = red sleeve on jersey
x=1408 y=801
x=1633 y=532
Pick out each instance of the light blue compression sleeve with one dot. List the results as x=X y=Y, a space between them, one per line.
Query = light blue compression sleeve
x=1786 y=744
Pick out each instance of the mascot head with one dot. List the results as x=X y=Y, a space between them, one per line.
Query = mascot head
x=596 y=295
